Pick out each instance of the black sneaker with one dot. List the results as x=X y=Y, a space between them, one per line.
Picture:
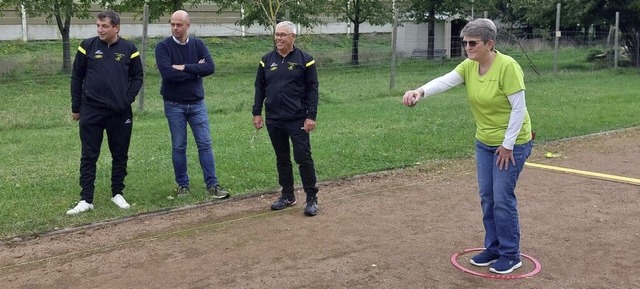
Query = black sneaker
x=183 y=191
x=283 y=202
x=218 y=192
x=312 y=207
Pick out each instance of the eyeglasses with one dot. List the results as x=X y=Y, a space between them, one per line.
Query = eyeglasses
x=471 y=43
x=282 y=35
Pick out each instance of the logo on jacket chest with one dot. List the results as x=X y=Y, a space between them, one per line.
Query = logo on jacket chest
x=290 y=66
x=98 y=54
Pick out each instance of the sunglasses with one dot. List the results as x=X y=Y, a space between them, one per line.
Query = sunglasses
x=471 y=43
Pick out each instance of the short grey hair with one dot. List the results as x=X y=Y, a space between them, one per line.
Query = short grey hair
x=288 y=24
x=481 y=27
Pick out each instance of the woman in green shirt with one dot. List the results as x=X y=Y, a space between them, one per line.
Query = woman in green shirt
x=495 y=90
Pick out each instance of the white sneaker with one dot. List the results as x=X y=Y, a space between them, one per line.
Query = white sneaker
x=120 y=201
x=82 y=206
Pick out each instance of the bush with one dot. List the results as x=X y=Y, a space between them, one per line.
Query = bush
x=594 y=54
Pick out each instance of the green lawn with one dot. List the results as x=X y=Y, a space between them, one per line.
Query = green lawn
x=362 y=124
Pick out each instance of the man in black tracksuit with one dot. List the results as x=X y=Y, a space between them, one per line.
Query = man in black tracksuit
x=107 y=75
x=287 y=85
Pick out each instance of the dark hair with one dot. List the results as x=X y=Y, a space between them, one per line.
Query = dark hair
x=114 y=18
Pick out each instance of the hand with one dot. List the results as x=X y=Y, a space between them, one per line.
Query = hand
x=505 y=157
x=201 y=61
x=411 y=97
x=258 y=122
x=178 y=67
x=309 y=125
x=75 y=116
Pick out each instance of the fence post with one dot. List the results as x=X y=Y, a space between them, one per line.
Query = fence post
x=143 y=54
x=242 y=28
x=637 y=44
x=348 y=21
x=394 y=41
x=616 y=49
x=23 y=13
x=557 y=40
x=472 y=4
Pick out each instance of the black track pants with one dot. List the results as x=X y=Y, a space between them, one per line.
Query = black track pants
x=280 y=132
x=93 y=123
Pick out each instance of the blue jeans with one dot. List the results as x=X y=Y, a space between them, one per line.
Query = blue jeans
x=178 y=115
x=498 y=199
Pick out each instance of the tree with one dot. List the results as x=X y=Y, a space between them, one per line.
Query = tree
x=157 y=8
x=629 y=23
x=427 y=11
x=59 y=10
x=268 y=13
x=588 y=13
x=375 y=12
x=510 y=12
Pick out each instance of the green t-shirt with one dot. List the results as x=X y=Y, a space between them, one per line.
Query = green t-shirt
x=487 y=95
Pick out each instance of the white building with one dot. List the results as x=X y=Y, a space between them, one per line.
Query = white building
x=205 y=21
x=413 y=39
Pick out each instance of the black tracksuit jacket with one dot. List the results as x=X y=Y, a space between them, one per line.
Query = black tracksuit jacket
x=106 y=77
x=287 y=86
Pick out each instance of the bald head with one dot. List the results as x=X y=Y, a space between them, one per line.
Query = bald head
x=180 y=14
x=180 y=25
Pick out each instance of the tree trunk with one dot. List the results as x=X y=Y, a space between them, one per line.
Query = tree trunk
x=354 y=43
x=63 y=27
x=431 y=31
x=177 y=5
x=66 y=49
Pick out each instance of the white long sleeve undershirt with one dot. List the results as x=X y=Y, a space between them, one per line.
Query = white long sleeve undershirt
x=518 y=112
x=517 y=101
x=440 y=84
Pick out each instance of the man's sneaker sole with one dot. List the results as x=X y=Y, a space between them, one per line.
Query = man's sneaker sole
x=81 y=207
x=282 y=208
x=516 y=266
x=120 y=202
x=482 y=264
x=311 y=209
x=217 y=192
x=220 y=197
x=182 y=191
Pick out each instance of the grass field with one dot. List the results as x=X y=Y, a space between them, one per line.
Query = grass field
x=362 y=125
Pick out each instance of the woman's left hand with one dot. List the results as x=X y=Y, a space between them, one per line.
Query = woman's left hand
x=505 y=157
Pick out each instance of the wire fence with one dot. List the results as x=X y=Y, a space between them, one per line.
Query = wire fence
x=43 y=59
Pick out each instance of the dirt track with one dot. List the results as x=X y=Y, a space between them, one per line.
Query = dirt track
x=387 y=230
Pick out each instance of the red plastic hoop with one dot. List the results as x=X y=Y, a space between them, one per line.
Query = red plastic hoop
x=454 y=261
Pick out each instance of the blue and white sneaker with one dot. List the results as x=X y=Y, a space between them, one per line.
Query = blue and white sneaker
x=484 y=259
x=506 y=265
